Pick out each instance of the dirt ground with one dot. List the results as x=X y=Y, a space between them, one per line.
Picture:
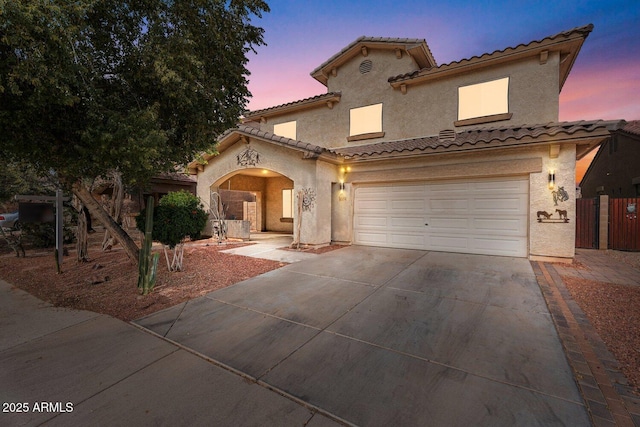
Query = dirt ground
x=614 y=311
x=107 y=284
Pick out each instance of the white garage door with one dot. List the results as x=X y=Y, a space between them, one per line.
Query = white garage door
x=480 y=217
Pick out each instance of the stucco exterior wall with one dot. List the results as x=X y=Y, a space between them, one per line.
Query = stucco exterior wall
x=310 y=176
x=553 y=239
x=550 y=239
x=328 y=214
x=425 y=109
x=342 y=213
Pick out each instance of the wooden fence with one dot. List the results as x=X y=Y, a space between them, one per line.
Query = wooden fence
x=624 y=224
x=587 y=223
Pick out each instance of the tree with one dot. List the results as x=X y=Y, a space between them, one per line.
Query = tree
x=20 y=178
x=179 y=215
x=92 y=86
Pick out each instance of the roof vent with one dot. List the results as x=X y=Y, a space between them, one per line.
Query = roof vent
x=365 y=66
x=447 y=135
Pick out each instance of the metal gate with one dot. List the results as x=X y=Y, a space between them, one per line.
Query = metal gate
x=624 y=224
x=587 y=223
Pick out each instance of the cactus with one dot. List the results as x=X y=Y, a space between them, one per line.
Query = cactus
x=148 y=262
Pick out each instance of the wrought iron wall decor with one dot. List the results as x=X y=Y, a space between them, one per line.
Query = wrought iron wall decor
x=248 y=157
x=544 y=216
x=559 y=195
x=308 y=199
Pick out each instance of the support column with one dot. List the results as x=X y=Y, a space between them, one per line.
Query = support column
x=603 y=223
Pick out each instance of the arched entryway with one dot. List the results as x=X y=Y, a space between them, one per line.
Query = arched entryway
x=261 y=196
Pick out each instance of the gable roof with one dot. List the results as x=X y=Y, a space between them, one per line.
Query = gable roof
x=631 y=128
x=568 y=43
x=243 y=132
x=583 y=132
x=416 y=48
x=232 y=135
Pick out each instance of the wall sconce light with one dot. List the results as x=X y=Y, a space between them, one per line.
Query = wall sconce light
x=343 y=173
x=552 y=179
x=344 y=170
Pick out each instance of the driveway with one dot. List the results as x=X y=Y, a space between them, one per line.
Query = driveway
x=375 y=336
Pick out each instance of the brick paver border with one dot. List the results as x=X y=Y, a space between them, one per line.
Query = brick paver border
x=605 y=390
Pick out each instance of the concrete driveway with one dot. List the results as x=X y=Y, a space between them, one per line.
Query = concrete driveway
x=375 y=336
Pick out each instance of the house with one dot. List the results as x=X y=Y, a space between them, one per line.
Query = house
x=615 y=170
x=402 y=152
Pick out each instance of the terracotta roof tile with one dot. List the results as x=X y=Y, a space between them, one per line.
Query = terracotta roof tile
x=300 y=102
x=586 y=29
x=252 y=131
x=477 y=138
x=365 y=39
x=632 y=127
x=175 y=176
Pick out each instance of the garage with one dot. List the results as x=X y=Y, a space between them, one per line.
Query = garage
x=473 y=216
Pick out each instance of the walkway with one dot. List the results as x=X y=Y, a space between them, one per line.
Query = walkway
x=607 y=396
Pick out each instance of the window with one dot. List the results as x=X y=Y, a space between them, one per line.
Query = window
x=483 y=99
x=287 y=203
x=365 y=120
x=287 y=129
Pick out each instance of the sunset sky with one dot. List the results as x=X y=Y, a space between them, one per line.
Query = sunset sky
x=604 y=82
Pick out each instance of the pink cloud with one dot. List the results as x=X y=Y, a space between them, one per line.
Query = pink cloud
x=603 y=91
x=278 y=82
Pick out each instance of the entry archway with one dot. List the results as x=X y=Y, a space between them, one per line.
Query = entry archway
x=257 y=195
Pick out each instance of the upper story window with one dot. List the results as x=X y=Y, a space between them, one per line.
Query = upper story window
x=287 y=129
x=484 y=102
x=365 y=122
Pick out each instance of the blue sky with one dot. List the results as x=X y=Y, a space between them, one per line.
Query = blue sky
x=604 y=82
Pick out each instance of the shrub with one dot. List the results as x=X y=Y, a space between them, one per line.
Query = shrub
x=178 y=215
x=43 y=234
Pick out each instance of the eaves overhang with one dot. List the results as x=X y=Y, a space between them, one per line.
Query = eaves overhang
x=246 y=134
x=567 y=44
x=324 y=100
x=585 y=135
x=417 y=49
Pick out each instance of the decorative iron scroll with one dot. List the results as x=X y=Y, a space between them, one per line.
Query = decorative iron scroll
x=308 y=199
x=248 y=157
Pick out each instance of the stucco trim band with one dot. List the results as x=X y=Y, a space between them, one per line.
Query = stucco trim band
x=454 y=171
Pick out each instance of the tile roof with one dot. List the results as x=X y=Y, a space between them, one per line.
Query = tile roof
x=377 y=40
x=310 y=149
x=471 y=139
x=175 y=176
x=295 y=104
x=632 y=127
x=476 y=138
x=583 y=31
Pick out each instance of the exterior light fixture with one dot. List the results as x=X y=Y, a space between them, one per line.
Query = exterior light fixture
x=343 y=174
x=552 y=179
